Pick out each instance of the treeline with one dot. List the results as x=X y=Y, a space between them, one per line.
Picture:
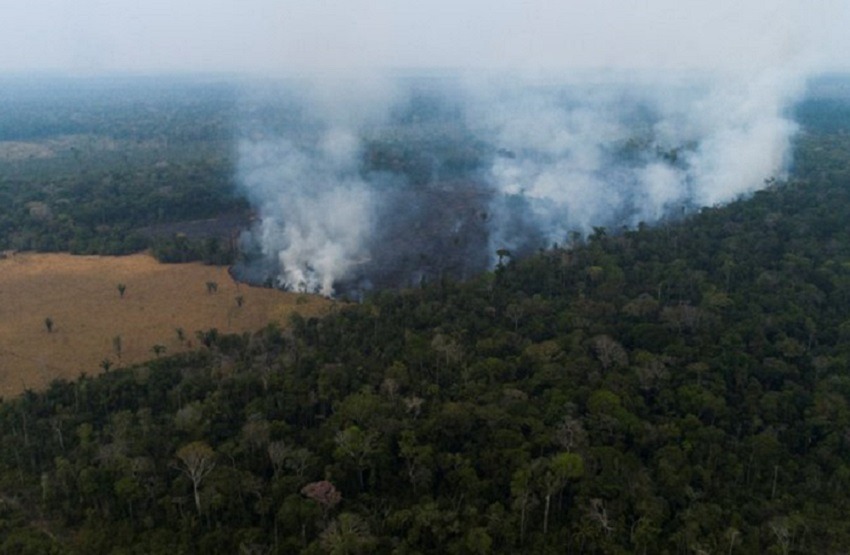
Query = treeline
x=675 y=389
x=101 y=212
x=179 y=248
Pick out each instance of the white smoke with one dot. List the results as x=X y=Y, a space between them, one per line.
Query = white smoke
x=553 y=155
x=316 y=214
x=299 y=161
x=597 y=152
x=745 y=135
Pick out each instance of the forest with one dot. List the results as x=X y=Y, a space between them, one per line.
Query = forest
x=676 y=388
x=92 y=167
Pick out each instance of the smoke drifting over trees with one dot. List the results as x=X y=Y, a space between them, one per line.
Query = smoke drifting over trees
x=365 y=182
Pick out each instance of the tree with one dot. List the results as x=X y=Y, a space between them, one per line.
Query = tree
x=515 y=312
x=610 y=352
x=212 y=287
x=570 y=434
x=198 y=460
x=324 y=494
x=158 y=350
x=556 y=472
x=116 y=346
x=209 y=338
x=523 y=497
x=121 y=289
x=447 y=347
x=347 y=535
x=48 y=323
x=598 y=515
x=477 y=540
x=296 y=459
x=502 y=254
x=357 y=446
x=418 y=460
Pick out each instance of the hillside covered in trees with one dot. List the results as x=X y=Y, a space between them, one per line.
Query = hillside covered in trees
x=673 y=389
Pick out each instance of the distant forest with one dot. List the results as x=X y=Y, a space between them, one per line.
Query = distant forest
x=679 y=388
x=100 y=167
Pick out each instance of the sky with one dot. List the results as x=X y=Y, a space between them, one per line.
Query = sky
x=280 y=36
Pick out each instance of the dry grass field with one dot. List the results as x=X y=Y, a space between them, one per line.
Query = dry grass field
x=80 y=295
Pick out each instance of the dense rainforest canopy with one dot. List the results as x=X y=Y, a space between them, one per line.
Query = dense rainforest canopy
x=681 y=388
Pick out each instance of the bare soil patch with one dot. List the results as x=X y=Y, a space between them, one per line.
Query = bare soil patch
x=80 y=295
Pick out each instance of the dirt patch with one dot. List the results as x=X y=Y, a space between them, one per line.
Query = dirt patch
x=80 y=295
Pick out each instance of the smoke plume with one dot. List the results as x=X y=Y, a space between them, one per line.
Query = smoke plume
x=385 y=182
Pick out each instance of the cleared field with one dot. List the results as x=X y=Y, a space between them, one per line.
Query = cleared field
x=92 y=321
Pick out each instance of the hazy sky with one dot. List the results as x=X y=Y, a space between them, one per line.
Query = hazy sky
x=268 y=36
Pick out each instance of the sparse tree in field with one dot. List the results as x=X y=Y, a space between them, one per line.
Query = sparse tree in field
x=208 y=338
x=106 y=364
x=158 y=349
x=121 y=289
x=198 y=460
x=48 y=323
x=212 y=287
x=240 y=300
x=116 y=346
x=181 y=334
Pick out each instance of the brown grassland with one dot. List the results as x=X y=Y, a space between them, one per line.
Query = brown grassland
x=92 y=322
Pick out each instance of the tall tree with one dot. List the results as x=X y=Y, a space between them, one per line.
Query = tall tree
x=198 y=460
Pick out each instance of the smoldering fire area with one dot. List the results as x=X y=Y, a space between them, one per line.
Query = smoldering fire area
x=389 y=181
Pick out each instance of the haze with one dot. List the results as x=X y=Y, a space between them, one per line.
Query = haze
x=528 y=141
x=268 y=36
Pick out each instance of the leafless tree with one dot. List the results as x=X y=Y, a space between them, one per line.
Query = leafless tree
x=198 y=460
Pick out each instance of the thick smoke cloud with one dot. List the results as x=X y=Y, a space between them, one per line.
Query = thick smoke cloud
x=365 y=183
